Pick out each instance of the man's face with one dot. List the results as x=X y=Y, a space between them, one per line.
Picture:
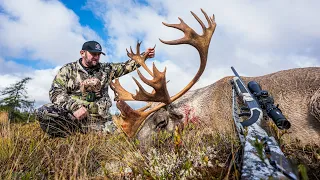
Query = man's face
x=90 y=59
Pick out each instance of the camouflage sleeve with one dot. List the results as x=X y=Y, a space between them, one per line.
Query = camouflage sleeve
x=59 y=93
x=120 y=69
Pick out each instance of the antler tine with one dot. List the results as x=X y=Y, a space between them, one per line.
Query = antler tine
x=160 y=93
x=131 y=50
x=120 y=92
x=158 y=77
x=130 y=120
x=138 y=58
x=177 y=26
x=142 y=94
x=145 y=107
x=209 y=20
x=199 y=20
x=138 y=47
x=181 y=26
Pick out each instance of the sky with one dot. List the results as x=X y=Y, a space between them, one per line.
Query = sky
x=37 y=37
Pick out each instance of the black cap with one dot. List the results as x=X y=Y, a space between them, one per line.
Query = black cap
x=92 y=46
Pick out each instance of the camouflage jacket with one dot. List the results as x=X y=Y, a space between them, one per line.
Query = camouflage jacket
x=65 y=90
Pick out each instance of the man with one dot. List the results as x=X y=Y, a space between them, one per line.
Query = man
x=79 y=93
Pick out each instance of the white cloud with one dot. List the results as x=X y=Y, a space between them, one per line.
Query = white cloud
x=12 y=67
x=37 y=88
x=44 y=30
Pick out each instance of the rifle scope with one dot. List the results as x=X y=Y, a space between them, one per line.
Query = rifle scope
x=267 y=103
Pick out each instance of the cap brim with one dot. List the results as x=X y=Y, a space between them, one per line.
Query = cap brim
x=94 y=51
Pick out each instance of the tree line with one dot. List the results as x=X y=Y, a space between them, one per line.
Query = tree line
x=14 y=100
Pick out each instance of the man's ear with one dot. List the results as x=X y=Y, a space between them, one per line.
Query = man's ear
x=82 y=53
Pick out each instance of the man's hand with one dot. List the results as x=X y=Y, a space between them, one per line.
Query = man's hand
x=81 y=113
x=151 y=52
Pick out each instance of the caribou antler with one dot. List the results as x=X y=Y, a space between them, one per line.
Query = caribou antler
x=130 y=120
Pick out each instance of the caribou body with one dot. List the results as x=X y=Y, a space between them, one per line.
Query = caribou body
x=297 y=91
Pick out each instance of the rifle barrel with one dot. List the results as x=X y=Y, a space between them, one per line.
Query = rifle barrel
x=235 y=72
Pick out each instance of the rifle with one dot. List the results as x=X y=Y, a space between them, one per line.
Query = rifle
x=261 y=155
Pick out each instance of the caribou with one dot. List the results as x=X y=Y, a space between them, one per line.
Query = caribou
x=296 y=90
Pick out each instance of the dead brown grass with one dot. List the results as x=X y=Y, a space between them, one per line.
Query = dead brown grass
x=4 y=117
x=4 y=124
x=27 y=153
x=194 y=152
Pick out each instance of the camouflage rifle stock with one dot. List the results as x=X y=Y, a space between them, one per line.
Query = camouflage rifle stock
x=261 y=155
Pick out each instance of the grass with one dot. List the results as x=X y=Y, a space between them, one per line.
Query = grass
x=27 y=153
x=305 y=157
x=193 y=152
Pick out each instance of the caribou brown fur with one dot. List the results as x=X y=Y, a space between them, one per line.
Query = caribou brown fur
x=297 y=91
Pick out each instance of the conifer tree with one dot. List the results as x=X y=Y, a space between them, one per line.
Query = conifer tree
x=15 y=98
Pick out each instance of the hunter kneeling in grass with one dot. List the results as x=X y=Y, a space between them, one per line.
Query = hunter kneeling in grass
x=79 y=94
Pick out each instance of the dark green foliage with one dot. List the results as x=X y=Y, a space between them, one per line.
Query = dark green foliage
x=15 y=100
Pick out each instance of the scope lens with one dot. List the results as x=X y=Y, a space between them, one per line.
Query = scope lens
x=283 y=124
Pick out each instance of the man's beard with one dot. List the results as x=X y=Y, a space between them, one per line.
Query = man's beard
x=89 y=63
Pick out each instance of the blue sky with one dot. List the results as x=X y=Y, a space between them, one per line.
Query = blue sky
x=256 y=37
x=86 y=16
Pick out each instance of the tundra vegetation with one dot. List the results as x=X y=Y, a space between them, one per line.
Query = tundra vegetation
x=195 y=151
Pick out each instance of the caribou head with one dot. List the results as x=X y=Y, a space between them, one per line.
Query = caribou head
x=130 y=120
